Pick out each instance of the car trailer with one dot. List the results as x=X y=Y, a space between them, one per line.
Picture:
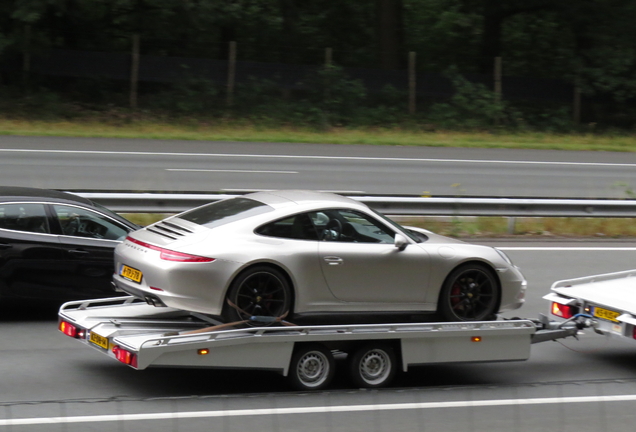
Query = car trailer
x=140 y=336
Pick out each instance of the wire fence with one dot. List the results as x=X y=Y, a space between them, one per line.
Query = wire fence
x=571 y=406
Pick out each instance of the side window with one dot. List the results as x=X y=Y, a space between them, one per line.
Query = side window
x=79 y=222
x=297 y=227
x=24 y=217
x=350 y=226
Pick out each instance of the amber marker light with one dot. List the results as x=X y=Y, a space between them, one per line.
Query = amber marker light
x=475 y=339
x=203 y=351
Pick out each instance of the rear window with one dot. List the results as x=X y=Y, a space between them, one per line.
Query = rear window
x=226 y=211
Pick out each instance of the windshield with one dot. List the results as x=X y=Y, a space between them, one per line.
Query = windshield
x=398 y=227
x=226 y=211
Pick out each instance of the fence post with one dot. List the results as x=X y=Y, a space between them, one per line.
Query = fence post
x=576 y=109
x=134 y=71
x=497 y=77
x=231 y=74
x=412 y=82
x=26 y=57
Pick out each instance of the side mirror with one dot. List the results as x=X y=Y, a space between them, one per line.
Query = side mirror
x=400 y=242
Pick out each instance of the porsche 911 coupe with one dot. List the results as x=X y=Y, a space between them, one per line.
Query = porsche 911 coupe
x=303 y=254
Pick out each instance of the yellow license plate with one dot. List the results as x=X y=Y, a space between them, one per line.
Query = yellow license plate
x=606 y=314
x=131 y=273
x=98 y=340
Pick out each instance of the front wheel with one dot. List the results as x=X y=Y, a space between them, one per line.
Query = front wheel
x=373 y=366
x=312 y=367
x=470 y=293
x=258 y=291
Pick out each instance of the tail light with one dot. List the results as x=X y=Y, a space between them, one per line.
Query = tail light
x=69 y=329
x=125 y=356
x=564 y=311
x=170 y=255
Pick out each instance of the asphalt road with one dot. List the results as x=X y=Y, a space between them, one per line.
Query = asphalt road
x=584 y=385
x=156 y=165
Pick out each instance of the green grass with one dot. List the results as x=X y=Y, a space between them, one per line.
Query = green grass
x=190 y=129
x=545 y=228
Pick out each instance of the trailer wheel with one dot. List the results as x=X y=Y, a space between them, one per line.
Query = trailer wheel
x=373 y=366
x=312 y=367
x=260 y=290
x=470 y=293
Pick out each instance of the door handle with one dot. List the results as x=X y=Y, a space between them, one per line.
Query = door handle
x=78 y=252
x=333 y=260
x=5 y=245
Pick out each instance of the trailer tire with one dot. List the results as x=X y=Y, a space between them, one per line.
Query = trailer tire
x=312 y=367
x=470 y=293
x=373 y=365
x=259 y=290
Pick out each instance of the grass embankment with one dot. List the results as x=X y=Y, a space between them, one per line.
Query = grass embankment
x=191 y=129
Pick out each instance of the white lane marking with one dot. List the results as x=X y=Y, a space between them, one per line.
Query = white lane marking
x=231 y=171
x=317 y=409
x=368 y=158
x=565 y=248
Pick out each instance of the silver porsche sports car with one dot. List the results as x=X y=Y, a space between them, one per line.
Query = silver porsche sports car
x=302 y=253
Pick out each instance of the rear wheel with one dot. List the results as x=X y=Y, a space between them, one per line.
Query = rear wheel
x=312 y=367
x=373 y=366
x=258 y=291
x=470 y=293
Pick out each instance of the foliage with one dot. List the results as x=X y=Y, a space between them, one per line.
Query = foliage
x=590 y=43
x=472 y=106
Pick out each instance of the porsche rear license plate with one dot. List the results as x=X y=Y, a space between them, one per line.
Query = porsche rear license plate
x=98 y=340
x=130 y=273
x=606 y=314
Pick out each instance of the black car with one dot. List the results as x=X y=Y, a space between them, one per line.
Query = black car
x=56 y=245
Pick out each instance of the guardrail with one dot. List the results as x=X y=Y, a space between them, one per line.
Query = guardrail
x=413 y=206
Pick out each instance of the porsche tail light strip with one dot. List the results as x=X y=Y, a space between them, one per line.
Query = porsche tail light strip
x=170 y=255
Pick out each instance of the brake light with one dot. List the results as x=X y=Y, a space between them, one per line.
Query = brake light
x=564 y=311
x=68 y=329
x=170 y=255
x=125 y=356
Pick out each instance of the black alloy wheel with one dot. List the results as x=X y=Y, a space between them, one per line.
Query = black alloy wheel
x=470 y=293
x=259 y=291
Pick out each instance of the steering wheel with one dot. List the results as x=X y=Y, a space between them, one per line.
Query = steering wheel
x=72 y=226
x=333 y=230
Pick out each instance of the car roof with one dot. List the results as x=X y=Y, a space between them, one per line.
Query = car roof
x=284 y=198
x=36 y=194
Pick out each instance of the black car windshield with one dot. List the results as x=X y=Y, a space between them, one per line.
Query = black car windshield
x=226 y=211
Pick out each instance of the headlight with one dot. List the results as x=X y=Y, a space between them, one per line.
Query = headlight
x=504 y=256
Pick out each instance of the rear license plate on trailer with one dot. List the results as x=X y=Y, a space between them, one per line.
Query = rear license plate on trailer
x=606 y=314
x=130 y=274
x=98 y=340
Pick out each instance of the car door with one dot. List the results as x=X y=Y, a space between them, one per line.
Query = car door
x=361 y=263
x=30 y=255
x=87 y=241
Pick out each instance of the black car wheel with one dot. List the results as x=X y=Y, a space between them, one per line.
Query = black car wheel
x=259 y=291
x=470 y=293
